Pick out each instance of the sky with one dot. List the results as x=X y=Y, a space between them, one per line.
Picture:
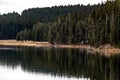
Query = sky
x=20 y=5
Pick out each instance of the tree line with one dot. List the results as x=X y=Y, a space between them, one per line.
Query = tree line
x=92 y=24
x=100 y=26
x=12 y=23
x=104 y=25
x=65 y=29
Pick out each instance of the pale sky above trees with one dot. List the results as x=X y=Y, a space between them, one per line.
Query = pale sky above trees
x=19 y=5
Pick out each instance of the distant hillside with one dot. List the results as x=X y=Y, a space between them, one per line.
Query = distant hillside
x=12 y=23
x=87 y=25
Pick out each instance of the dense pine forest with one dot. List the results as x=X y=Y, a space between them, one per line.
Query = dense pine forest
x=92 y=24
x=104 y=24
x=12 y=23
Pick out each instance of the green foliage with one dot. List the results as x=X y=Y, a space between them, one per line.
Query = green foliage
x=38 y=33
x=104 y=26
x=95 y=25
x=70 y=29
x=65 y=29
x=12 y=23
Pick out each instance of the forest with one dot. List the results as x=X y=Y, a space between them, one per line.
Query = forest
x=12 y=23
x=92 y=24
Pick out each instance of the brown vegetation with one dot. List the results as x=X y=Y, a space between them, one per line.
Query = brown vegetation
x=104 y=49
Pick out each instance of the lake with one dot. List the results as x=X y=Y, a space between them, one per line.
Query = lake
x=28 y=63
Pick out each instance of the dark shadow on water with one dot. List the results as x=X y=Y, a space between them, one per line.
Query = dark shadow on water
x=62 y=62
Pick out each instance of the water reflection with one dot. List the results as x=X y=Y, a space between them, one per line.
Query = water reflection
x=62 y=62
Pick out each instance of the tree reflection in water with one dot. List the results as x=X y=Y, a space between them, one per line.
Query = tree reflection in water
x=62 y=62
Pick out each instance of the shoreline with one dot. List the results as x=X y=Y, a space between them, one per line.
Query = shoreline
x=104 y=50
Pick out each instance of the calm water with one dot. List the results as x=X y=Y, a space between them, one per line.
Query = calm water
x=27 y=63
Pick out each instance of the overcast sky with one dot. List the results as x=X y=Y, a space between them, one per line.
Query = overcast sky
x=19 y=5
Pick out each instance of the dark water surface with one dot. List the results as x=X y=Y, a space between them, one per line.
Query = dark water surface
x=27 y=63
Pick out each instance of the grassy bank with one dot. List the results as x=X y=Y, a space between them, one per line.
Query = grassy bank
x=104 y=49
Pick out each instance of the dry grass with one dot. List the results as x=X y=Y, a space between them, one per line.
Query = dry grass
x=105 y=51
x=23 y=43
